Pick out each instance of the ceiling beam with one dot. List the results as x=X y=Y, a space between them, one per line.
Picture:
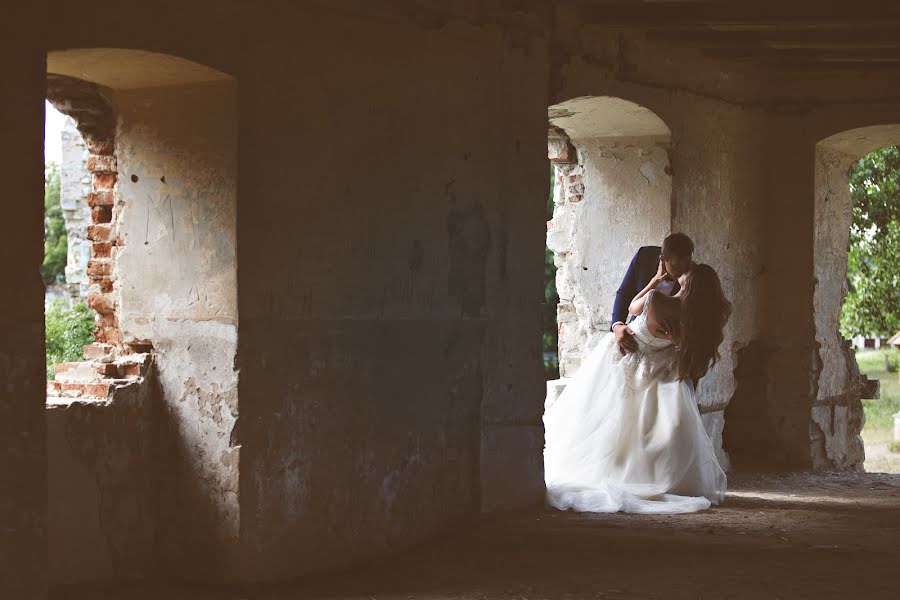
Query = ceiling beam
x=807 y=54
x=712 y=38
x=760 y=13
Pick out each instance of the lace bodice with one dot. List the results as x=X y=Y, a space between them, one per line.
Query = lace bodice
x=647 y=341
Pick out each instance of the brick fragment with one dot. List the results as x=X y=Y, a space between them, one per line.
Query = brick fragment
x=99 y=232
x=101 y=249
x=102 y=197
x=101 y=147
x=102 y=303
x=101 y=214
x=101 y=164
x=110 y=370
x=99 y=268
x=95 y=351
x=104 y=181
x=97 y=390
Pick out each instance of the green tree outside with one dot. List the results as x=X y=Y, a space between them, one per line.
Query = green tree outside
x=872 y=306
x=56 y=243
x=69 y=330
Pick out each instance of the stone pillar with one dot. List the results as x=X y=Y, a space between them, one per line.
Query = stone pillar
x=836 y=417
x=23 y=457
x=75 y=185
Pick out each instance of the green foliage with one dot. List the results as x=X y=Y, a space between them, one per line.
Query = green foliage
x=551 y=299
x=894 y=446
x=69 y=330
x=56 y=243
x=873 y=275
x=880 y=412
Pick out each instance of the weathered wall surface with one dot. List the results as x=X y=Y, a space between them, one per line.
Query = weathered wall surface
x=103 y=474
x=718 y=184
x=834 y=428
x=390 y=357
x=177 y=280
x=75 y=185
x=23 y=467
x=625 y=204
x=808 y=372
x=719 y=200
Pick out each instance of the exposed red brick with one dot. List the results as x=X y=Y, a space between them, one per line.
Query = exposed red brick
x=99 y=232
x=101 y=214
x=106 y=285
x=70 y=389
x=63 y=367
x=101 y=198
x=140 y=346
x=101 y=147
x=94 y=351
x=97 y=390
x=102 y=164
x=131 y=370
x=111 y=370
x=104 y=181
x=107 y=320
x=112 y=335
x=102 y=303
x=102 y=268
x=53 y=388
x=101 y=249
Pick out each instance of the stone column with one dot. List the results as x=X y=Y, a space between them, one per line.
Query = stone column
x=23 y=457
x=75 y=185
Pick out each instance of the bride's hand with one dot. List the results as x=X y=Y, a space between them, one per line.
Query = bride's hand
x=661 y=274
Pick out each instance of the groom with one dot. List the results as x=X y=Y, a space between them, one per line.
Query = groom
x=676 y=253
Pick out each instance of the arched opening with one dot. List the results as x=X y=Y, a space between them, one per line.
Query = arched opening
x=841 y=226
x=611 y=195
x=142 y=466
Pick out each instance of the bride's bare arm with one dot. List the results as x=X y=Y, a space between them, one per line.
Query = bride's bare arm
x=637 y=303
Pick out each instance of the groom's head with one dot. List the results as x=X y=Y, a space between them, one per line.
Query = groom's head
x=677 y=254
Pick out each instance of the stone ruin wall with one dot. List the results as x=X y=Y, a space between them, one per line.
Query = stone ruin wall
x=611 y=200
x=837 y=415
x=75 y=186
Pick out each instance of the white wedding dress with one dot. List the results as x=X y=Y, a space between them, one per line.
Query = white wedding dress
x=625 y=435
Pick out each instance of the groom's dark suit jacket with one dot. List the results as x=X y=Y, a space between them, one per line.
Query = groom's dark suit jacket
x=641 y=270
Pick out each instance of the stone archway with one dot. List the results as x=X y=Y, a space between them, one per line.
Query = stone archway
x=143 y=462
x=837 y=418
x=613 y=194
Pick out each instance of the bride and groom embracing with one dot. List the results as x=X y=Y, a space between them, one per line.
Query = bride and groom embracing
x=625 y=434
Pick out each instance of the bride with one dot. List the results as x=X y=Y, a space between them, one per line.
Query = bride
x=625 y=434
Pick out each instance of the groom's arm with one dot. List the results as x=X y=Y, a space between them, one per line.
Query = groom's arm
x=626 y=292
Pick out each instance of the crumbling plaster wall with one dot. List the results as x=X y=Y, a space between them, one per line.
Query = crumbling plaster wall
x=176 y=272
x=390 y=358
x=103 y=486
x=717 y=157
x=624 y=203
x=808 y=371
x=380 y=292
x=23 y=454
x=837 y=415
x=834 y=427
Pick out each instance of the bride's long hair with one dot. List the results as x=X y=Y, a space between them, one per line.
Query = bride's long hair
x=704 y=313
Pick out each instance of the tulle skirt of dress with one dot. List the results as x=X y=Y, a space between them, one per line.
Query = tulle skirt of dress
x=625 y=435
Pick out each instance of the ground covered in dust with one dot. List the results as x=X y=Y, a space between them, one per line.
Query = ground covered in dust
x=789 y=536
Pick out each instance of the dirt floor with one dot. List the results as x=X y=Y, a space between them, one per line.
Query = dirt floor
x=790 y=536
